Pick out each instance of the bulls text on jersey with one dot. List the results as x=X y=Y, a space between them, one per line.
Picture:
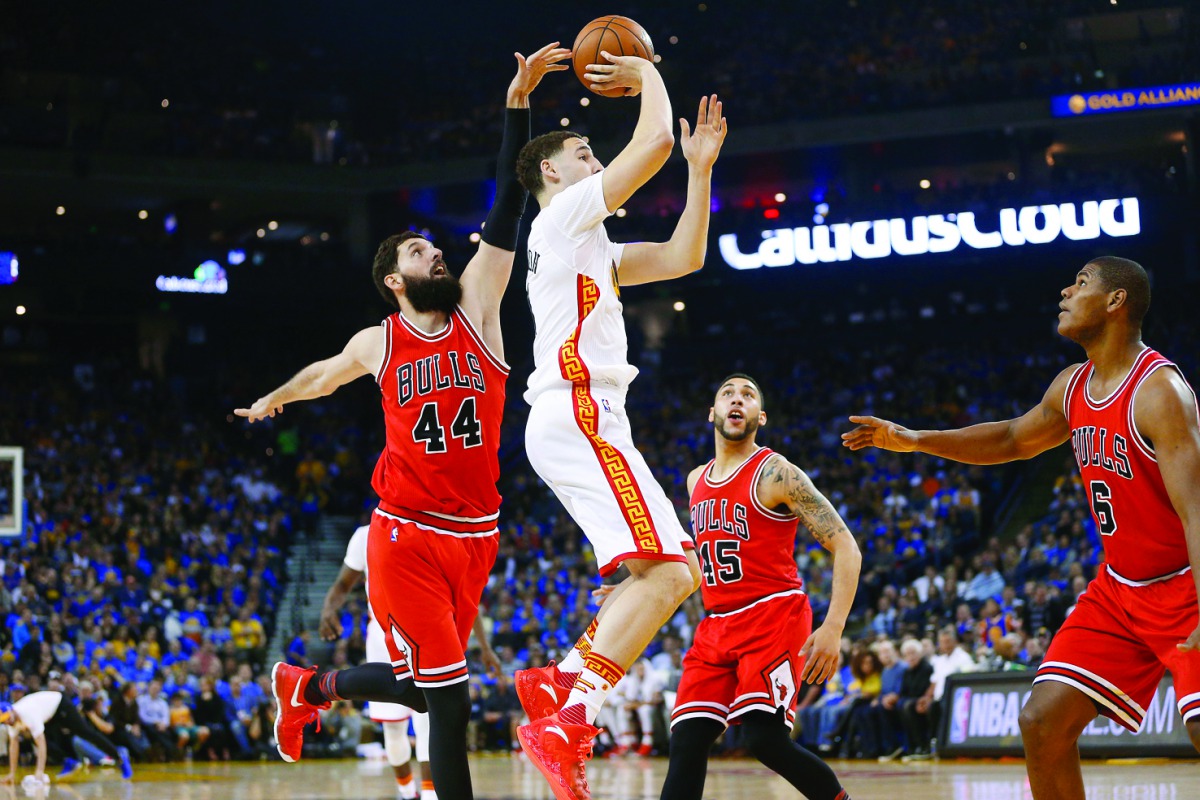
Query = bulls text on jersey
x=1094 y=447
x=706 y=518
x=425 y=375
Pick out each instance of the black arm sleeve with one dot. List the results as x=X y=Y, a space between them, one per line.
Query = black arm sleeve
x=504 y=220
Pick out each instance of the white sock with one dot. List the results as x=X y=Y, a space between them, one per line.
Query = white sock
x=599 y=676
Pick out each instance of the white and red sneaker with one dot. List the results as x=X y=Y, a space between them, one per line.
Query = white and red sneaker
x=288 y=684
x=559 y=750
x=540 y=691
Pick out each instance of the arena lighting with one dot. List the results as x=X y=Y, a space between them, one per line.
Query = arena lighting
x=9 y=268
x=935 y=233
x=235 y=257
x=209 y=278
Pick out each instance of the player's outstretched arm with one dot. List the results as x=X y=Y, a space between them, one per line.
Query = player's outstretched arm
x=652 y=140
x=684 y=252
x=362 y=356
x=1165 y=414
x=785 y=485
x=330 y=626
x=1039 y=429
x=487 y=274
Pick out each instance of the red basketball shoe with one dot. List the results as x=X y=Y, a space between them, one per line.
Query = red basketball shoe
x=559 y=749
x=294 y=712
x=539 y=691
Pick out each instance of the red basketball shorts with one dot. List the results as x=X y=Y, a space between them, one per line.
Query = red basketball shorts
x=1116 y=644
x=745 y=660
x=424 y=590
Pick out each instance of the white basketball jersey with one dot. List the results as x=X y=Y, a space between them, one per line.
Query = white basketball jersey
x=574 y=295
x=356 y=559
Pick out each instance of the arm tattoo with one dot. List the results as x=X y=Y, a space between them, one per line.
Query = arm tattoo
x=803 y=500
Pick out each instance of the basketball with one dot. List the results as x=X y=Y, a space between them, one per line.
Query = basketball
x=619 y=36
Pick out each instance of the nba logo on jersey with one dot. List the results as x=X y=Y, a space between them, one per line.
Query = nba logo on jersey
x=607 y=407
x=395 y=533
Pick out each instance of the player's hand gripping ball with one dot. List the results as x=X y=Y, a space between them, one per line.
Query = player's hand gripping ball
x=619 y=36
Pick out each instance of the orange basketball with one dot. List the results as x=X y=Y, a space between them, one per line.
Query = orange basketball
x=619 y=36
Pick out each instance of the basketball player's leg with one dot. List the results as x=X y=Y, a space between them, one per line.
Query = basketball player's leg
x=399 y=755
x=421 y=732
x=1078 y=679
x=766 y=641
x=687 y=769
x=396 y=555
x=768 y=739
x=706 y=690
x=1051 y=723
x=439 y=660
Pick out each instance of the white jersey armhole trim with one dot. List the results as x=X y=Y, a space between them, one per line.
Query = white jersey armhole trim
x=497 y=362
x=1071 y=384
x=754 y=494
x=1142 y=444
x=387 y=348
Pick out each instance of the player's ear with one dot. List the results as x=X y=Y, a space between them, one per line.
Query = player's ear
x=762 y=419
x=1117 y=299
x=548 y=169
x=711 y=414
x=394 y=282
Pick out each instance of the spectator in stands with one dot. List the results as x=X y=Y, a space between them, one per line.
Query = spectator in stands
x=297 y=650
x=501 y=714
x=913 y=702
x=343 y=724
x=212 y=713
x=879 y=721
x=155 y=717
x=127 y=725
x=987 y=583
x=248 y=635
x=1042 y=611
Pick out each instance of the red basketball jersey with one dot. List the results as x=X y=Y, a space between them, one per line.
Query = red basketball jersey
x=746 y=550
x=1142 y=535
x=443 y=397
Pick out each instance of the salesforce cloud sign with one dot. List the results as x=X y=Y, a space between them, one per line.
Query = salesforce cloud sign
x=935 y=233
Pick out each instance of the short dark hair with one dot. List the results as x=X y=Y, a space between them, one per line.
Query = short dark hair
x=387 y=256
x=1121 y=273
x=529 y=160
x=762 y=401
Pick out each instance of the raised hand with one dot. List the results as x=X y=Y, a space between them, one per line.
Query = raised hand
x=531 y=69
x=621 y=72
x=702 y=145
x=875 y=432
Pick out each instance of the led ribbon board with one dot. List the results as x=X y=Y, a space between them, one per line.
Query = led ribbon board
x=1076 y=105
x=935 y=233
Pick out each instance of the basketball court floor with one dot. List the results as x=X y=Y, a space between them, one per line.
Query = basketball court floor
x=503 y=777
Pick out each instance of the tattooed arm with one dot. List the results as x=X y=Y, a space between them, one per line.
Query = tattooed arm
x=784 y=487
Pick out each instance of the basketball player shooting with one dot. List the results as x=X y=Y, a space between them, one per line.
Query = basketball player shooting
x=1131 y=419
x=578 y=436
x=756 y=642
x=439 y=363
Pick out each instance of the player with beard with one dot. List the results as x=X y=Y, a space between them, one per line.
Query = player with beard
x=756 y=642
x=1132 y=422
x=433 y=538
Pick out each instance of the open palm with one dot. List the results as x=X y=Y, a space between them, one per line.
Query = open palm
x=702 y=145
